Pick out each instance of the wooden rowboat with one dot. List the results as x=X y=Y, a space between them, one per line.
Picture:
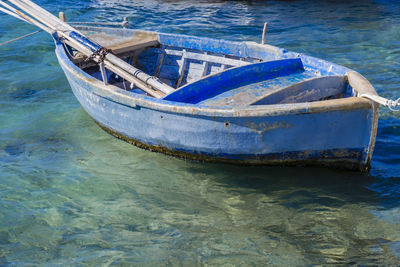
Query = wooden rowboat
x=238 y=102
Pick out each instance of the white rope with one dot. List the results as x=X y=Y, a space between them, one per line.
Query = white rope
x=96 y=23
x=393 y=105
x=19 y=38
x=122 y=24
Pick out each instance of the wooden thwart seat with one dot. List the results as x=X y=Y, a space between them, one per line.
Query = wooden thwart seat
x=133 y=45
x=206 y=57
x=230 y=79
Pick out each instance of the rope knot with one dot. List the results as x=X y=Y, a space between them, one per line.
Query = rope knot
x=392 y=104
x=100 y=53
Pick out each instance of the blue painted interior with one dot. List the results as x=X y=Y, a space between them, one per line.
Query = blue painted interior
x=219 y=83
x=248 y=93
x=307 y=91
x=243 y=86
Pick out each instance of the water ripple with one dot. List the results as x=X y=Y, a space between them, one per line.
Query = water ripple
x=70 y=194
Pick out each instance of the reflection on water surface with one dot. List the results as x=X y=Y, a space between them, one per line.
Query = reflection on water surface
x=72 y=194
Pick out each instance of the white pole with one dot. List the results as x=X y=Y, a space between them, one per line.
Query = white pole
x=264 y=34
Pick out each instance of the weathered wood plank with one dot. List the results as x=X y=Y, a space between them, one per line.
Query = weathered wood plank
x=159 y=64
x=132 y=45
x=244 y=95
x=306 y=91
x=194 y=71
x=205 y=67
x=210 y=58
x=224 y=66
x=182 y=69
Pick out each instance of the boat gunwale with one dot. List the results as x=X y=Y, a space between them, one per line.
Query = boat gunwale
x=118 y=95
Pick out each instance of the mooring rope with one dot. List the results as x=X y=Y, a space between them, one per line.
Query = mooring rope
x=393 y=105
x=124 y=23
x=19 y=38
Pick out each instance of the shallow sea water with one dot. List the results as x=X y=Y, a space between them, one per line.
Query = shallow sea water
x=70 y=194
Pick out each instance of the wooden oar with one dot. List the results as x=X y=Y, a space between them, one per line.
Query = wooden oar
x=9 y=12
x=92 y=49
x=20 y=15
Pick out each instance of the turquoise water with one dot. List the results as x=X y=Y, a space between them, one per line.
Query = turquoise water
x=70 y=194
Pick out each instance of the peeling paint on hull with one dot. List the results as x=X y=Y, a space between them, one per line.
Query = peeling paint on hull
x=349 y=160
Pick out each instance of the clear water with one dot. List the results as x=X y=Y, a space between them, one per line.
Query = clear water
x=70 y=194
